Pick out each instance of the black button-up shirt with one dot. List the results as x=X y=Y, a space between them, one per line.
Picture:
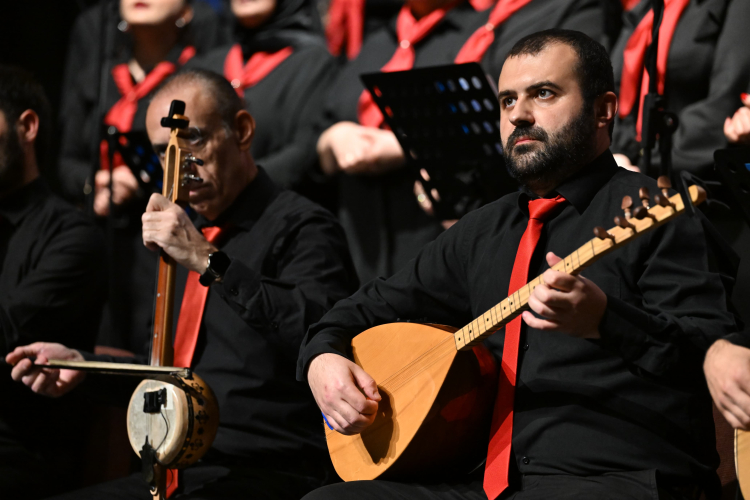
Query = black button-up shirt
x=634 y=399
x=290 y=264
x=51 y=290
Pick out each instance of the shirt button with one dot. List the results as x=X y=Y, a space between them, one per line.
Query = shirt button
x=236 y=83
x=233 y=291
x=525 y=460
x=526 y=347
x=405 y=44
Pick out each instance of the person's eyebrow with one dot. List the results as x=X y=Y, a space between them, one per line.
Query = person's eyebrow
x=529 y=89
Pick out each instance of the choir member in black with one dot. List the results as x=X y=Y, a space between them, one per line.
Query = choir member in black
x=281 y=67
x=51 y=285
x=385 y=224
x=703 y=68
x=609 y=401
x=153 y=38
x=287 y=265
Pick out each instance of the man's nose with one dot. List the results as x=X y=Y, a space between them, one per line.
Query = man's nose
x=521 y=115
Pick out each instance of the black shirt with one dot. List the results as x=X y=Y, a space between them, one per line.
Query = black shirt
x=707 y=68
x=384 y=223
x=51 y=290
x=634 y=399
x=290 y=264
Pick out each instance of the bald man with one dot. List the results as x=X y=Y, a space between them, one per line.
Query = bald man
x=279 y=264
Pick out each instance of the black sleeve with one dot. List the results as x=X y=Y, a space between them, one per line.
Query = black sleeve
x=433 y=286
x=60 y=296
x=291 y=164
x=684 y=305
x=314 y=271
x=701 y=129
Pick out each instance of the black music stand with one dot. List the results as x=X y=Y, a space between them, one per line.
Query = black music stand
x=733 y=166
x=446 y=119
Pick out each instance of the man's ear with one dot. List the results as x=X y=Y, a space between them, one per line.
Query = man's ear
x=605 y=109
x=244 y=125
x=28 y=126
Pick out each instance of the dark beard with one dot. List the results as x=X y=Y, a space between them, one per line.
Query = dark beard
x=11 y=161
x=557 y=157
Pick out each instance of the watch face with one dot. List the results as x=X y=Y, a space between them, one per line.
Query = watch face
x=218 y=262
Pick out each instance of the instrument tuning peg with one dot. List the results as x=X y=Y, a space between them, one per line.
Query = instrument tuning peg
x=192 y=159
x=663 y=201
x=664 y=184
x=623 y=222
x=644 y=195
x=642 y=212
x=627 y=204
x=602 y=234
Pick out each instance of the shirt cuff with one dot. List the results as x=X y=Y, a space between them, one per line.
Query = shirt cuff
x=741 y=339
x=621 y=328
x=239 y=285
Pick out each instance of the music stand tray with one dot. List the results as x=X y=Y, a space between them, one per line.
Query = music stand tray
x=446 y=119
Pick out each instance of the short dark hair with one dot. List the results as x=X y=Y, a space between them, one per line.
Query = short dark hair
x=228 y=103
x=19 y=91
x=594 y=68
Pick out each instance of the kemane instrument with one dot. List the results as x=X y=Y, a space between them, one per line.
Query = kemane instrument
x=173 y=415
x=437 y=393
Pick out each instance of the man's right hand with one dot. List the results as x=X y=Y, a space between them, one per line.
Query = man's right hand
x=46 y=381
x=727 y=369
x=345 y=393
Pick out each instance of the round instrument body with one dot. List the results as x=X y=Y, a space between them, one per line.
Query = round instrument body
x=183 y=428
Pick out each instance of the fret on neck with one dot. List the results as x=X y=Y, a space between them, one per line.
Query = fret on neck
x=511 y=307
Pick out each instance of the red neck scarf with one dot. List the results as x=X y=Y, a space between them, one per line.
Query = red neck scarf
x=260 y=64
x=633 y=70
x=408 y=28
x=121 y=115
x=475 y=47
x=346 y=19
x=409 y=32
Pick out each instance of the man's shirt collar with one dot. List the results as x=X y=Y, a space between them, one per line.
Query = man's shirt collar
x=580 y=188
x=17 y=205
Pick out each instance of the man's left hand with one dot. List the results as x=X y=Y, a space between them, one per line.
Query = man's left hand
x=568 y=304
x=167 y=226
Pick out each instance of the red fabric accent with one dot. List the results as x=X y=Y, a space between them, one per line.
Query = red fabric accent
x=634 y=72
x=478 y=43
x=629 y=4
x=409 y=32
x=480 y=5
x=501 y=432
x=346 y=19
x=188 y=327
x=244 y=75
x=121 y=115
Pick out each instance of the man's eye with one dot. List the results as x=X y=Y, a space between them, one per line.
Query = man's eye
x=509 y=101
x=545 y=94
x=195 y=137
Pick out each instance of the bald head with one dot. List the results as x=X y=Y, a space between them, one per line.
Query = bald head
x=220 y=133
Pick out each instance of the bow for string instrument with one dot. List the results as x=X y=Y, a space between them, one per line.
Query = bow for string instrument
x=173 y=415
x=437 y=395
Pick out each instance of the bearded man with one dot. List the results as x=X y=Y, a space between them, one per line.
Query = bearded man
x=609 y=398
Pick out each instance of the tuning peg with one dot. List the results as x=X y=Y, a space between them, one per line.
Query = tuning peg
x=627 y=204
x=663 y=201
x=623 y=222
x=602 y=233
x=643 y=194
x=642 y=212
x=664 y=184
x=192 y=159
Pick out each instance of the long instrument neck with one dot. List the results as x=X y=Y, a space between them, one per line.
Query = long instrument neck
x=162 y=351
x=511 y=307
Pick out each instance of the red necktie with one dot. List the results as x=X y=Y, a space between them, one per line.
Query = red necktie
x=633 y=71
x=501 y=432
x=409 y=31
x=260 y=64
x=478 y=43
x=188 y=327
x=629 y=4
x=345 y=26
x=121 y=115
